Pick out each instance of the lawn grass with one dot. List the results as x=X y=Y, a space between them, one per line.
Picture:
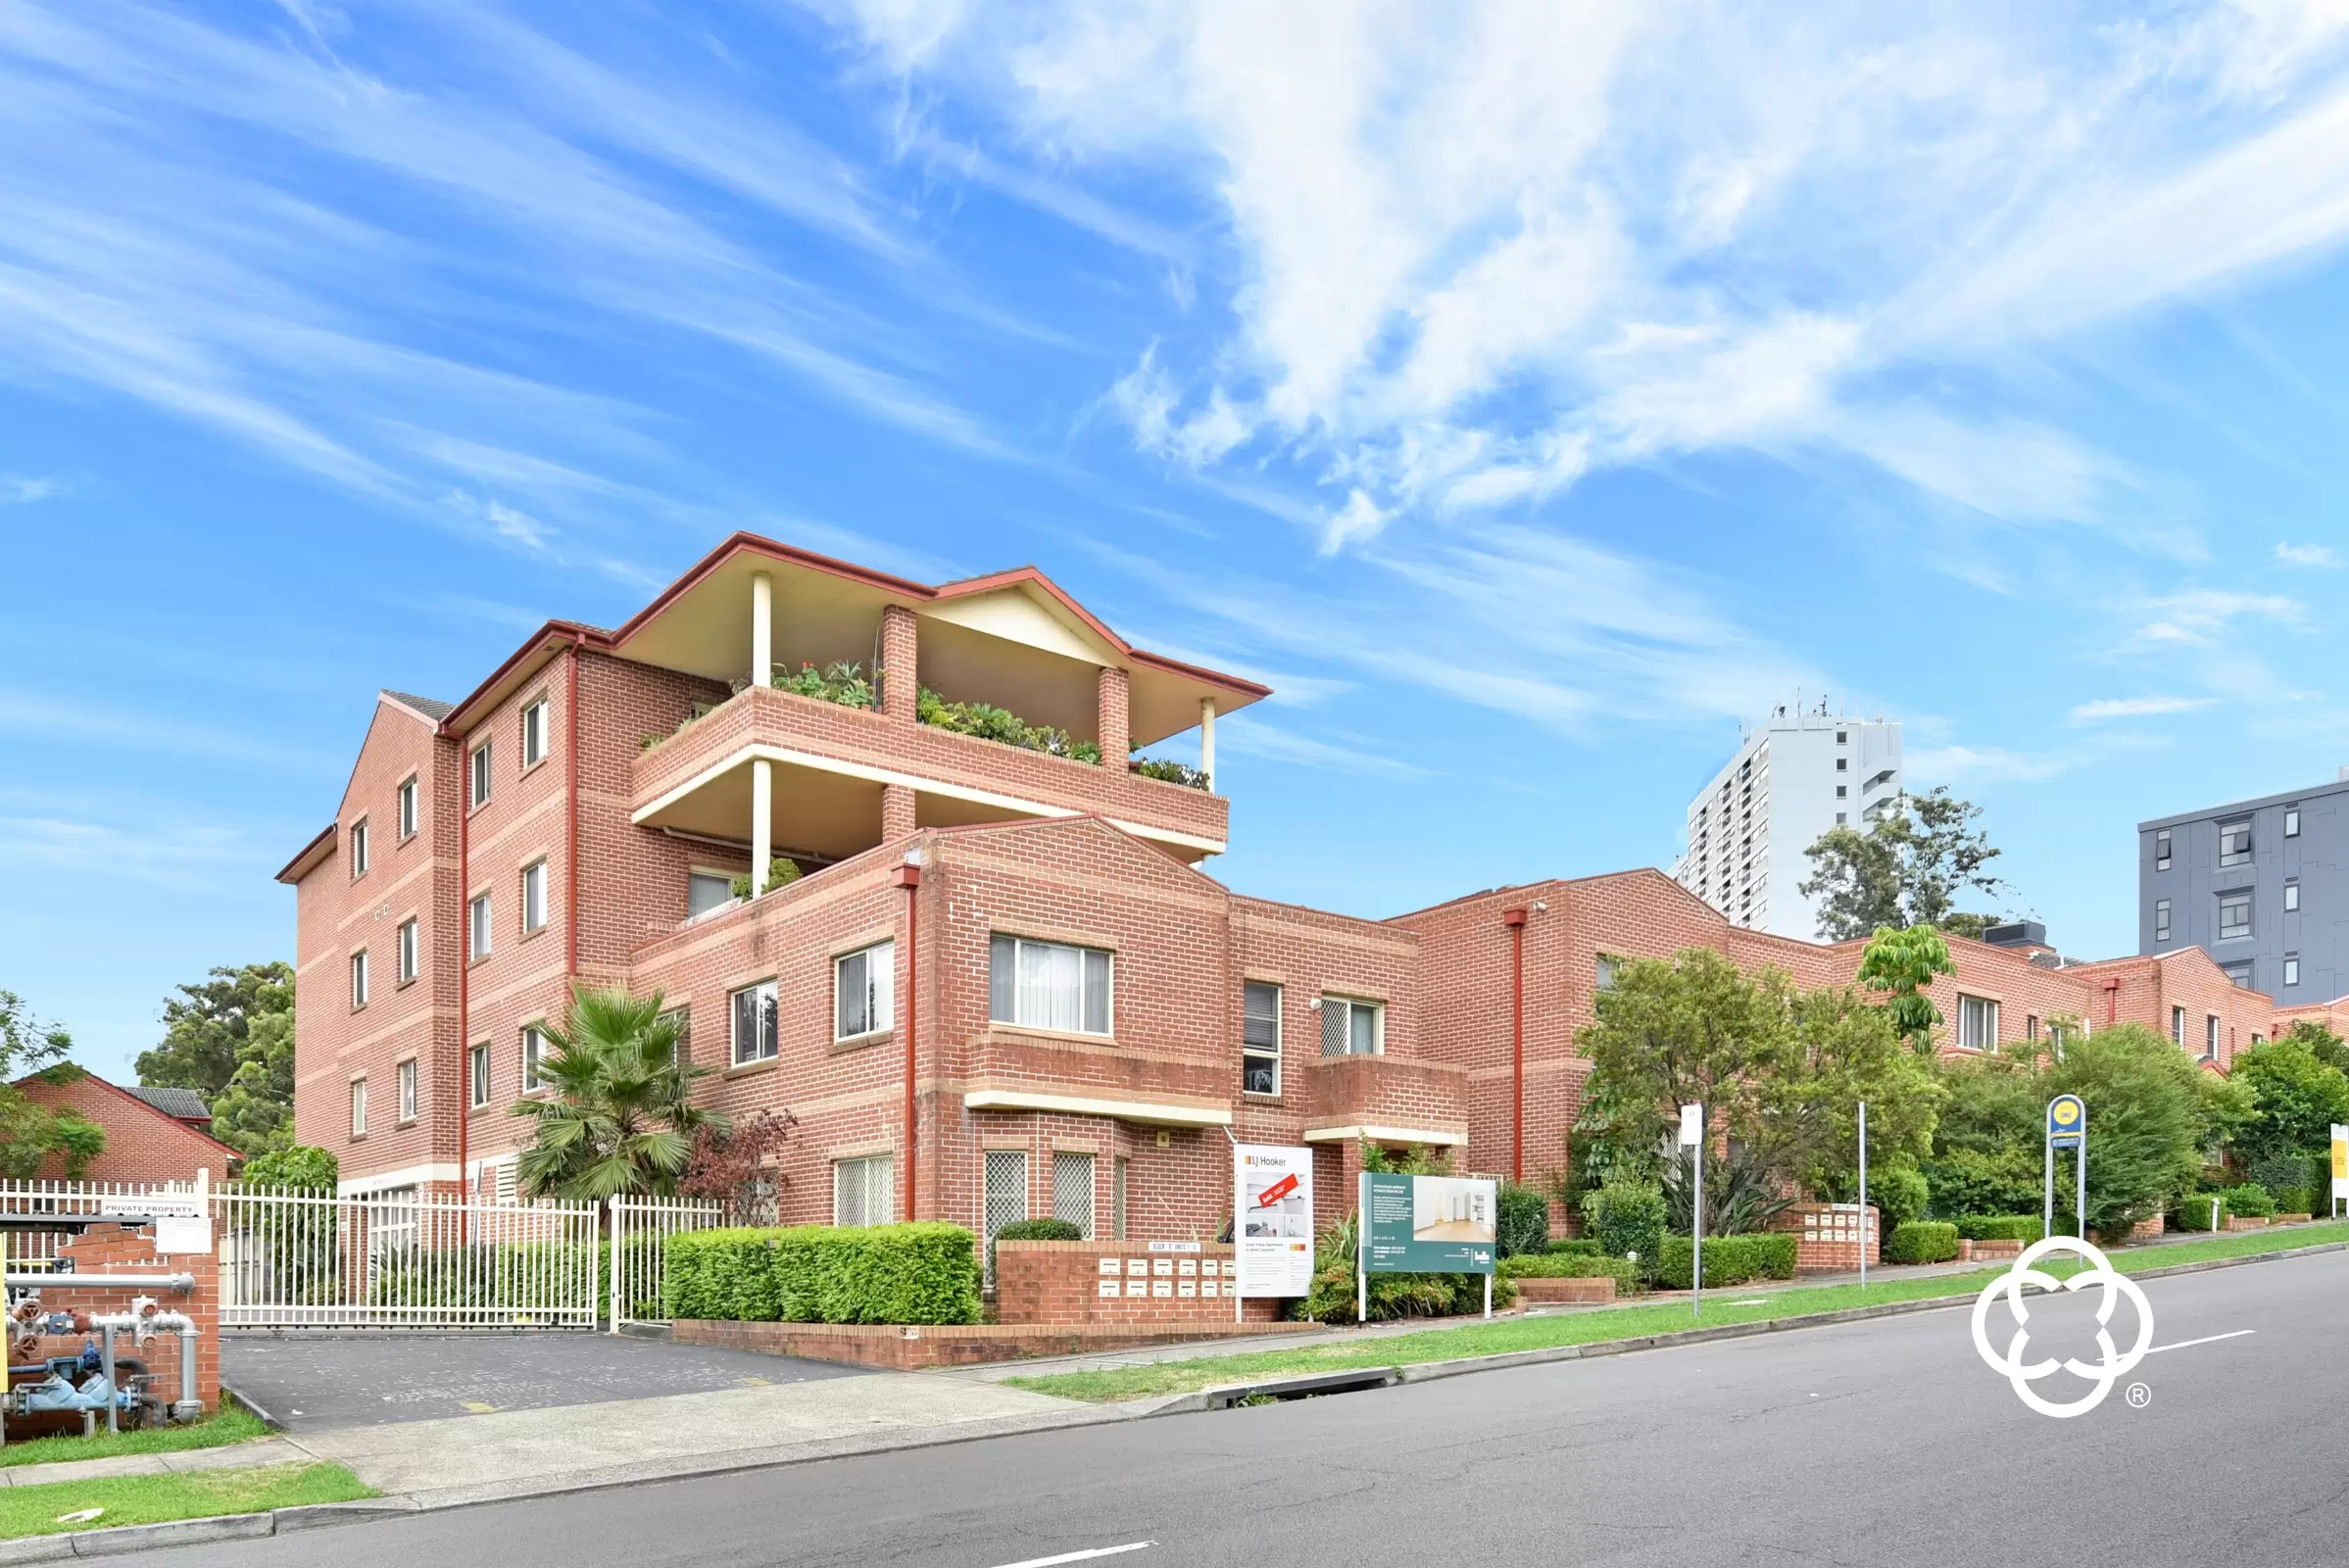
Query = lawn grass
x=233 y=1424
x=152 y=1500
x=1746 y=1303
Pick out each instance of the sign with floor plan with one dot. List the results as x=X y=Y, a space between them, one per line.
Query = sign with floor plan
x=1272 y=1227
x=1429 y=1224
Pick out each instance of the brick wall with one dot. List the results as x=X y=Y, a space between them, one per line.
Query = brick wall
x=1829 y=1236
x=142 y=1144
x=1114 y=1282
x=114 y=1248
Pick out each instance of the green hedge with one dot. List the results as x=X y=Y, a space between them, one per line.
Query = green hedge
x=2192 y=1211
x=1921 y=1240
x=925 y=1273
x=1032 y=1230
x=2023 y=1228
x=1627 y=1219
x=1729 y=1259
x=1572 y=1266
x=2249 y=1201
x=1523 y=1221
x=1394 y=1295
x=1577 y=1247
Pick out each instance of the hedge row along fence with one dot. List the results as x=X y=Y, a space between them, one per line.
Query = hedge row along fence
x=926 y=1273
x=1728 y=1260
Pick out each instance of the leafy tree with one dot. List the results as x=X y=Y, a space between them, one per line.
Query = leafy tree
x=1902 y=963
x=2327 y=1047
x=1906 y=869
x=231 y=1038
x=1844 y=1052
x=2296 y=1097
x=618 y=1119
x=29 y=1132
x=300 y=1166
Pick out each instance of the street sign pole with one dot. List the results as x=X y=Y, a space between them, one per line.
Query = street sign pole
x=2047 y=1224
x=1863 y=1216
x=1692 y=1134
x=2079 y=1171
x=1362 y=1249
x=2067 y=1128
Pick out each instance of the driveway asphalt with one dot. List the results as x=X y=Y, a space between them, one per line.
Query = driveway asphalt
x=322 y=1382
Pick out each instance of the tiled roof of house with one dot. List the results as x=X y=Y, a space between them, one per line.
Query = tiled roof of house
x=181 y=1105
x=434 y=711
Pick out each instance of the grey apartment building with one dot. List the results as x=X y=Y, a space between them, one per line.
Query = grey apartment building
x=2257 y=885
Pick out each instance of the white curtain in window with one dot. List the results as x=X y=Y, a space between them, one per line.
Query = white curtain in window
x=1052 y=986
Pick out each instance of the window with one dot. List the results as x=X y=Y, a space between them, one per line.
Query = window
x=2234 y=842
x=2256 y=1037
x=2238 y=974
x=863 y=991
x=705 y=891
x=1351 y=1028
x=2291 y=821
x=864 y=1191
x=2291 y=893
x=1977 y=1022
x=1839 y=819
x=2178 y=1026
x=480 y=780
x=534 y=1052
x=1842 y=737
x=534 y=896
x=534 y=733
x=2160 y=851
x=1049 y=985
x=359 y=848
x=1072 y=1190
x=407 y=949
x=1006 y=1189
x=754 y=1009
x=1117 y=1197
x=1259 y=1038
x=408 y=1072
x=1843 y=792
x=359 y=979
x=1843 y=764
x=2234 y=916
x=2291 y=968
x=405 y=814
x=2030 y=1026
x=476 y=1075
x=479 y=926
x=2161 y=919
x=1605 y=970
x=2210 y=1036
x=359 y=1107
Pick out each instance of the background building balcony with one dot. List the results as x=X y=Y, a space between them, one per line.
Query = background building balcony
x=1387 y=1099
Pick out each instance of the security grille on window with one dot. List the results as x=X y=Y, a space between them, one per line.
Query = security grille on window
x=1977 y=1022
x=408 y=1071
x=534 y=896
x=2234 y=916
x=534 y=1052
x=1117 y=1197
x=1007 y=1186
x=407 y=808
x=534 y=732
x=359 y=979
x=1048 y=985
x=864 y=1191
x=865 y=991
x=2291 y=893
x=2161 y=919
x=2210 y=1036
x=754 y=1009
x=2178 y=1026
x=1353 y=1028
x=705 y=891
x=2291 y=821
x=2234 y=842
x=481 y=773
x=359 y=848
x=1260 y=1038
x=391 y=1220
x=1073 y=1191
x=476 y=1071
x=507 y=1188
x=2160 y=851
x=477 y=925
x=359 y=1107
x=2291 y=968
x=407 y=949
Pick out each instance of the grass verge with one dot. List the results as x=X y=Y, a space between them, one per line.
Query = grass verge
x=154 y=1499
x=1751 y=1304
x=233 y=1424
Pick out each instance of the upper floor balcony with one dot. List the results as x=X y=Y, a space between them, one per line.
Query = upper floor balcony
x=1385 y=1099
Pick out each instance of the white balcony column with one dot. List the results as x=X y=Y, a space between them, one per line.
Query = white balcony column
x=1206 y=740
x=762 y=629
x=762 y=833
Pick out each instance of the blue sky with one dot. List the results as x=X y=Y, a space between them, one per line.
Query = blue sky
x=1528 y=399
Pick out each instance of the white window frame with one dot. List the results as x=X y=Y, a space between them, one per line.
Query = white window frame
x=1253 y=1051
x=1352 y=1008
x=2210 y=1036
x=703 y=873
x=358 y=1106
x=362 y=860
x=2291 y=968
x=404 y=812
x=407 y=945
x=477 y=931
x=2163 y=847
x=480 y=773
x=877 y=962
x=408 y=1071
x=534 y=733
x=477 y=1075
x=534 y=896
x=2291 y=821
x=852 y=1181
x=1977 y=1021
x=1007 y=1009
x=359 y=979
x=771 y=1025
x=2178 y=1026
x=2239 y=829
x=2161 y=919
x=534 y=1051
x=2241 y=897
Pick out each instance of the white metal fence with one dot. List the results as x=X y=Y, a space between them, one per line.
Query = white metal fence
x=641 y=1230
x=35 y=1252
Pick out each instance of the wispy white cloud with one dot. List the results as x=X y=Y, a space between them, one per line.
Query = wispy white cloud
x=1247 y=736
x=19 y=490
x=2137 y=707
x=2197 y=618
x=2310 y=556
x=154 y=731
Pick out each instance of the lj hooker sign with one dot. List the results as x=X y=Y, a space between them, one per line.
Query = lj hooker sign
x=1272 y=1228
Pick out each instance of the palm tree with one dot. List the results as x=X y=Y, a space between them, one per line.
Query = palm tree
x=618 y=1120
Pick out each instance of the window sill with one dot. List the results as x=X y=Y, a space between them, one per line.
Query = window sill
x=863 y=1041
x=402 y=985
x=998 y=1030
x=538 y=930
x=405 y=1121
x=475 y=1111
x=476 y=960
x=1270 y=1102
x=529 y=769
x=743 y=1069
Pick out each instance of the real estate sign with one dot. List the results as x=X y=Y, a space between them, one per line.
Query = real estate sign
x=2340 y=1161
x=1272 y=1228
x=1429 y=1224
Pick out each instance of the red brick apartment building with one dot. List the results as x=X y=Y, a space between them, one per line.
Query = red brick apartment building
x=1002 y=986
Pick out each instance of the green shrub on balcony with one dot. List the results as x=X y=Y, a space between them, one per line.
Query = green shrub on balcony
x=1167 y=769
x=999 y=725
x=778 y=873
x=844 y=684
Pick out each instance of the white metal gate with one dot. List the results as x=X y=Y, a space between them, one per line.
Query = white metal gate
x=641 y=1230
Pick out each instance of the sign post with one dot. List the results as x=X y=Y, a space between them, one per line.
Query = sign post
x=1863 y=1195
x=1692 y=1140
x=1272 y=1223
x=2067 y=1128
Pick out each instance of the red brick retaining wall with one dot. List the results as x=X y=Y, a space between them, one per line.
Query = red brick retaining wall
x=1553 y=1292
x=908 y=1348
x=113 y=1250
x=1118 y=1283
x=1827 y=1239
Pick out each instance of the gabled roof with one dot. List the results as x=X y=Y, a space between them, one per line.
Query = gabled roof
x=430 y=708
x=145 y=1109
x=181 y=1105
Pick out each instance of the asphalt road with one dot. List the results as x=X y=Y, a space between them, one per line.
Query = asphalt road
x=1883 y=1444
x=313 y=1382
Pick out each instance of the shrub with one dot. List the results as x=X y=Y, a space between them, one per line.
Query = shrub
x=1572 y=1266
x=780 y=873
x=1032 y=1230
x=844 y=684
x=922 y=1273
x=2248 y=1202
x=1524 y=1221
x=1395 y=1296
x=301 y=1167
x=2023 y=1228
x=1901 y=1195
x=1576 y=1246
x=2295 y=1200
x=2192 y=1211
x=1168 y=771
x=1627 y=1220
x=1921 y=1240
x=2280 y=1172
x=1728 y=1260
x=992 y=724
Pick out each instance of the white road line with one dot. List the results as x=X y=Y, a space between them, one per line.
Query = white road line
x=1083 y=1556
x=2212 y=1338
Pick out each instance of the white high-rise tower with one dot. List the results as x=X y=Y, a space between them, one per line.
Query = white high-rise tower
x=1795 y=775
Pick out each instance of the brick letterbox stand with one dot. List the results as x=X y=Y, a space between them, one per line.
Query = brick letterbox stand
x=115 y=1250
x=1119 y=1282
x=1828 y=1237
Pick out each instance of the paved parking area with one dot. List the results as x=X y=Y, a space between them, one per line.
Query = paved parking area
x=319 y=1382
